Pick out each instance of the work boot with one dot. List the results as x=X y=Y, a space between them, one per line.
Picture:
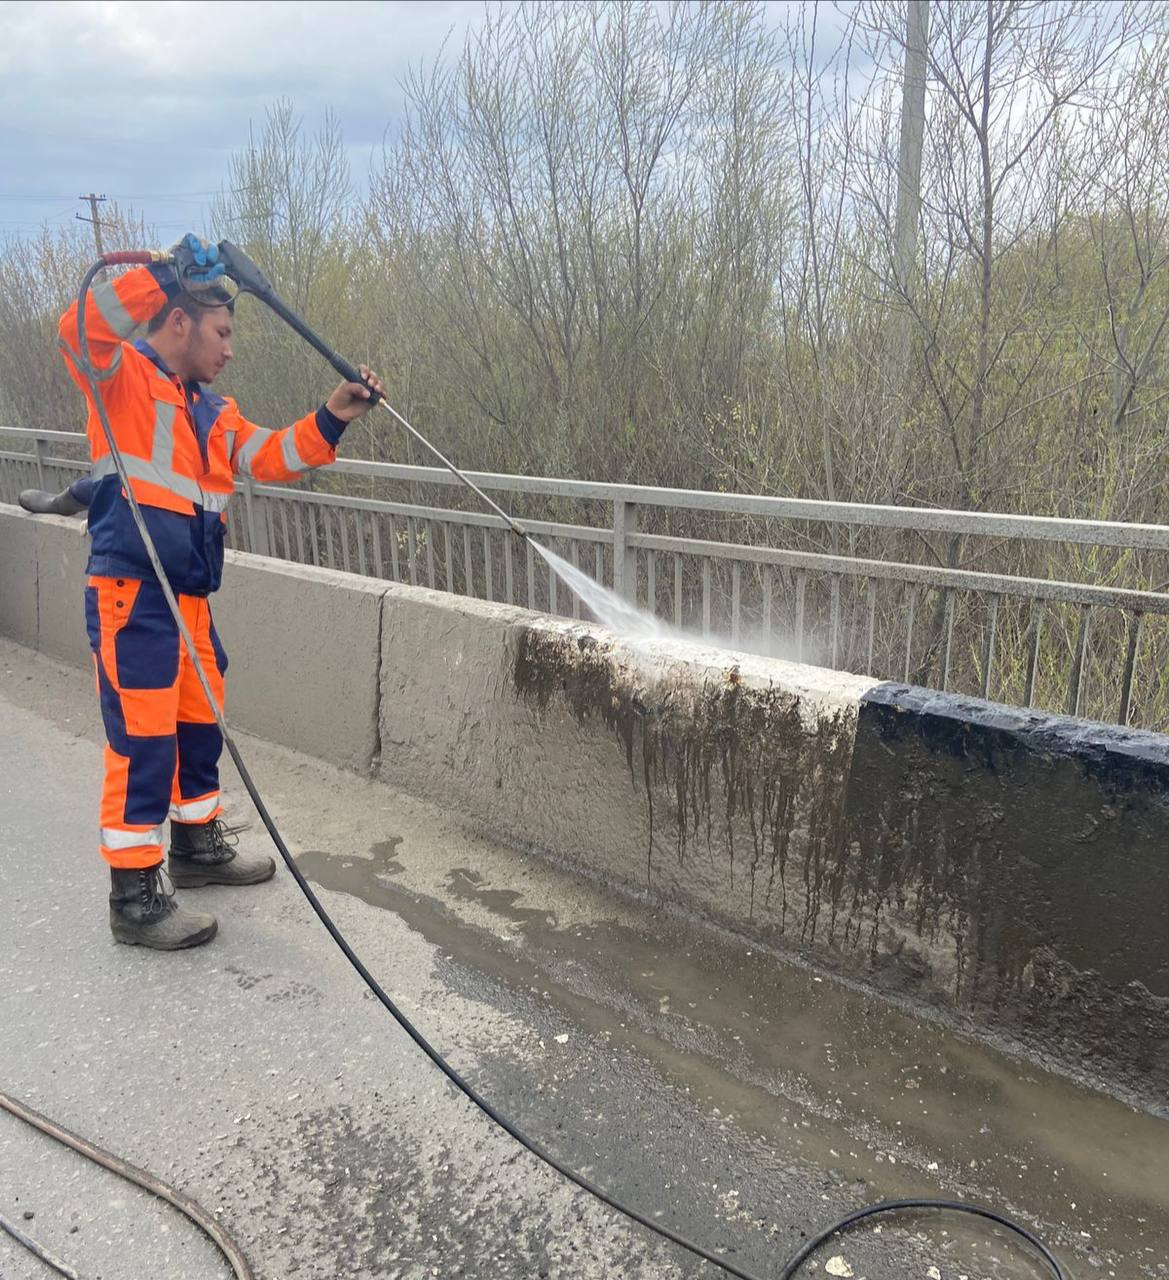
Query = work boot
x=205 y=853
x=41 y=503
x=144 y=913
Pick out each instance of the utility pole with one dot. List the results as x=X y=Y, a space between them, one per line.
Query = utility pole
x=94 y=201
x=913 y=85
x=912 y=134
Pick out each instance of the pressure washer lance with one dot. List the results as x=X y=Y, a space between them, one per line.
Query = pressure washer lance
x=251 y=279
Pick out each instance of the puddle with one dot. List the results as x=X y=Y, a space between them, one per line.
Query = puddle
x=382 y=855
x=470 y=886
x=825 y=1075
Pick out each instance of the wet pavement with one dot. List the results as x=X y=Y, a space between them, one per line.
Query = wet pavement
x=739 y=1097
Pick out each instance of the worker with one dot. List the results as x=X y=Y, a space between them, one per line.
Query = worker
x=182 y=445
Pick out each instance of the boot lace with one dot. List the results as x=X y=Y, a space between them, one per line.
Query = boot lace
x=222 y=840
x=156 y=892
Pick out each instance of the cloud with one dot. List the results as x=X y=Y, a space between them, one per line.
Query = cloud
x=145 y=98
x=138 y=99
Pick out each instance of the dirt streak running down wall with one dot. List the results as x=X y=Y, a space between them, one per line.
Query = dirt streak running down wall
x=735 y=774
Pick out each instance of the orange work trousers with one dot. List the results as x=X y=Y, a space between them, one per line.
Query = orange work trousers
x=162 y=742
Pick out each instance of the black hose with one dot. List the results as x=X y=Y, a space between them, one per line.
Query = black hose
x=191 y=1209
x=465 y=1087
x=909 y=1206
x=38 y=1250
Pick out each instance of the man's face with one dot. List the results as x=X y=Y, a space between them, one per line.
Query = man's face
x=208 y=344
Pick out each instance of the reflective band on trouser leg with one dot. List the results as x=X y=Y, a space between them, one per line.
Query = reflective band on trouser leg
x=195 y=794
x=127 y=839
x=202 y=810
x=135 y=643
x=127 y=848
x=130 y=787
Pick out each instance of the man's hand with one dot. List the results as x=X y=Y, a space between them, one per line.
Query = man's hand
x=196 y=262
x=352 y=399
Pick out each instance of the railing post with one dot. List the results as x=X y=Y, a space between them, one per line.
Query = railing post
x=1038 y=610
x=39 y=448
x=988 y=647
x=624 y=556
x=1079 y=663
x=257 y=528
x=1124 y=716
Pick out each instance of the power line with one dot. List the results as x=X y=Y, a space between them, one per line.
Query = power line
x=164 y=195
x=136 y=195
x=35 y=222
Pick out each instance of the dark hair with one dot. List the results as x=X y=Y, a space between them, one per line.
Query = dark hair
x=194 y=304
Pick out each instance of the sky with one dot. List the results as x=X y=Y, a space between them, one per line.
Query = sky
x=145 y=101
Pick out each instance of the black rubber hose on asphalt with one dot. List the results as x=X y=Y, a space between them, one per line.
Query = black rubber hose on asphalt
x=793 y=1265
x=124 y=1169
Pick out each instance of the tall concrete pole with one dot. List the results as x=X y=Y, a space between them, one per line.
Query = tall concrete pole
x=912 y=135
x=908 y=208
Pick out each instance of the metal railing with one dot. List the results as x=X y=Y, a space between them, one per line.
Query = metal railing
x=1035 y=611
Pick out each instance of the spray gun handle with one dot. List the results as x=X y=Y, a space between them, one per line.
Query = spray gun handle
x=134 y=257
x=351 y=374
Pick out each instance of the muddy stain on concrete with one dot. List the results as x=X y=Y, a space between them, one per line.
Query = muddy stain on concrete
x=734 y=772
x=957 y=855
x=1028 y=857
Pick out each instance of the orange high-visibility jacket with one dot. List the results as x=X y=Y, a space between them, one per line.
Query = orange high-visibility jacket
x=182 y=443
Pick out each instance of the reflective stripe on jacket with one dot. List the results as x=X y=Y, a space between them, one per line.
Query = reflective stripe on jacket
x=182 y=444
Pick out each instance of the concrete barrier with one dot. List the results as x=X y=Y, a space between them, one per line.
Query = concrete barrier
x=302 y=645
x=1004 y=867
x=18 y=576
x=303 y=656
x=62 y=552
x=642 y=763
x=1024 y=861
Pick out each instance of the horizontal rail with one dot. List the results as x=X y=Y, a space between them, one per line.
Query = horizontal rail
x=922 y=575
x=477 y=519
x=35 y=433
x=922 y=519
x=76 y=463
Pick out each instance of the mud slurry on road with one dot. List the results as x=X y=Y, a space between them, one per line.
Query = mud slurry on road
x=790 y=1097
x=936 y=848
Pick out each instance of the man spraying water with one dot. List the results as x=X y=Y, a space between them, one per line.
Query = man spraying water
x=182 y=445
